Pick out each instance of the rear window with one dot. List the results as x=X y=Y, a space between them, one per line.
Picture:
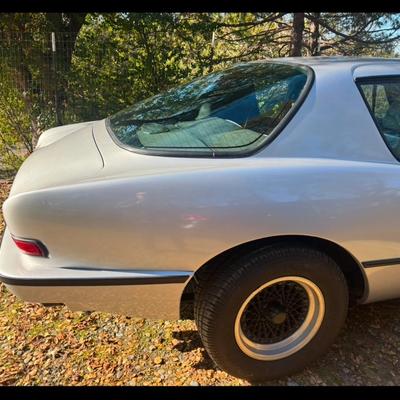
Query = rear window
x=382 y=95
x=230 y=111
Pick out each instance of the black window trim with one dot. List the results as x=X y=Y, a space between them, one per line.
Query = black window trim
x=214 y=153
x=376 y=79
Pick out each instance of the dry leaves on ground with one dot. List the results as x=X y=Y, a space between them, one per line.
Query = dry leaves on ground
x=55 y=346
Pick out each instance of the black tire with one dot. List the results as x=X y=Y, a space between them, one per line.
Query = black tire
x=222 y=294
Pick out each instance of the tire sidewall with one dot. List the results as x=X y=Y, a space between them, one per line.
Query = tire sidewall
x=260 y=270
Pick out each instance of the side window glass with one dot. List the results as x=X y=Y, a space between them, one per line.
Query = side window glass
x=381 y=102
x=223 y=112
x=383 y=99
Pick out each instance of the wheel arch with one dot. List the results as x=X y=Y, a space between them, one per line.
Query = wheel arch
x=350 y=266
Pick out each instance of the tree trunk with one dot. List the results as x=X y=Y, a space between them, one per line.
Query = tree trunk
x=297 y=35
x=314 y=45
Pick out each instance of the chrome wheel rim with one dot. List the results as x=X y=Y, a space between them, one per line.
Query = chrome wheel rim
x=279 y=318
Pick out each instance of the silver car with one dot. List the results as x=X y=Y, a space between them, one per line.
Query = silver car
x=259 y=200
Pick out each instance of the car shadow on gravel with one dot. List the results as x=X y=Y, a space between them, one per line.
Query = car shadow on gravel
x=367 y=351
x=189 y=340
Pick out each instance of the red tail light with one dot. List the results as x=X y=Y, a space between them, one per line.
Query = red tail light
x=31 y=247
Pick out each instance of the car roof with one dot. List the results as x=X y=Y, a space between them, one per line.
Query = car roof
x=360 y=67
x=329 y=60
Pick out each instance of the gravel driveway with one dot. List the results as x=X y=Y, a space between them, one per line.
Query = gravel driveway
x=54 y=346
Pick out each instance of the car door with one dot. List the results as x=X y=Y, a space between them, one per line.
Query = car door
x=382 y=98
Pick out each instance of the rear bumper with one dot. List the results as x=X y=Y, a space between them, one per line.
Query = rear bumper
x=142 y=293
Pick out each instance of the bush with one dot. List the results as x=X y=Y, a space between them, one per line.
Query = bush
x=22 y=119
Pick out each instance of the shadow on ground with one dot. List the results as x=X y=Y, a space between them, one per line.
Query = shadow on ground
x=367 y=351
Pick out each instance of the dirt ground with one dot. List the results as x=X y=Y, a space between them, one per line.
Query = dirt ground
x=54 y=346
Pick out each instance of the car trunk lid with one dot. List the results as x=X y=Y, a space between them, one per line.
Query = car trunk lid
x=64 y=155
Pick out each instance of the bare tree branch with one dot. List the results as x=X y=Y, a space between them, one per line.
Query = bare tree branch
x=353 y=37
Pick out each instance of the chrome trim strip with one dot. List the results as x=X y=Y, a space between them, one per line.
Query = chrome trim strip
x=163 y=279
x=381 y=263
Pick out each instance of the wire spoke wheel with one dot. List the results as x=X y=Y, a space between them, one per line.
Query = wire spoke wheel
x=279 y=318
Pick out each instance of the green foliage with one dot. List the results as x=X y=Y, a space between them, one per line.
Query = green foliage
x=106 y=62
x=122 y=58
x=125 y=57
x=14 y=120
x=22 y=117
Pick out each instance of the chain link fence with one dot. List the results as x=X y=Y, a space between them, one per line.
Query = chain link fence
x=49 y=79
x=46 y=80
x=40 y=70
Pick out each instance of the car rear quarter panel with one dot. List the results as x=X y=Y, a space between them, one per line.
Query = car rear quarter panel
x=181 y=220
